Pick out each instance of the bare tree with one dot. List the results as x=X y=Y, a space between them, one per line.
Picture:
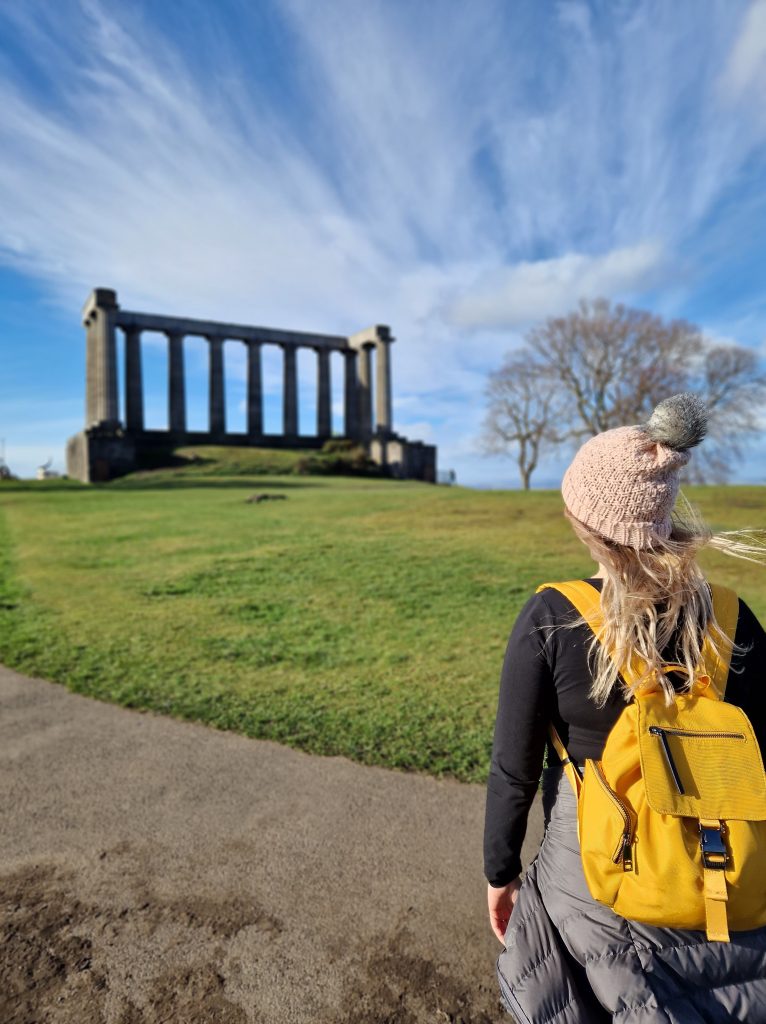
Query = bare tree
x=613 y=363
x=520 y=414
x=604 y=366
x=729 y=380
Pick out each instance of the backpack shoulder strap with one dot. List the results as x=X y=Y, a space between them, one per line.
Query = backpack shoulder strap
x=566 y=761
x=726 y=611
x=587 y=600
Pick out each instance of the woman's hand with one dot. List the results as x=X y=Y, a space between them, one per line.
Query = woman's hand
x=501 y=902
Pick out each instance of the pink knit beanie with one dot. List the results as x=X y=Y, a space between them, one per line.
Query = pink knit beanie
x=623 y=483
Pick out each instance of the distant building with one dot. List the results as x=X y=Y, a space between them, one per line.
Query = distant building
x=446 y=476
x=45 y=472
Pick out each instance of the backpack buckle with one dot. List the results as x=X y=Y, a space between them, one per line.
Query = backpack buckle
x=714 y=853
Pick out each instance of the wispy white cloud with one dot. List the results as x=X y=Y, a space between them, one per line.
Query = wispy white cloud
x=529 y=291
x=745 y=70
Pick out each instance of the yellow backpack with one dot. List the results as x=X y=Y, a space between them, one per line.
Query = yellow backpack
x=672 y=819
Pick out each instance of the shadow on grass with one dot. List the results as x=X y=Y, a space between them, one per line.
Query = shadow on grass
x=184 y=483
x=62 y=484
x=206 y=482
x=75 y=487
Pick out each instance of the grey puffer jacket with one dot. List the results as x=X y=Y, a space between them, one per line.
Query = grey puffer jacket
x=571 y=960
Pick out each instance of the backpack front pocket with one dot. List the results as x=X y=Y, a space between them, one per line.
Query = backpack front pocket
x=700 y=759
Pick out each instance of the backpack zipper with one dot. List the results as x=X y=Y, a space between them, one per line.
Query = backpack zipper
x=656 y=730
x=624 y=847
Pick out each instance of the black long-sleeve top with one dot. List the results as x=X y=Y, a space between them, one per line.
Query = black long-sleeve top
x=546 y=678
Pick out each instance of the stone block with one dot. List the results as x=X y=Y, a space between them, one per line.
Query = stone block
x=95 y=456
x=404 y=459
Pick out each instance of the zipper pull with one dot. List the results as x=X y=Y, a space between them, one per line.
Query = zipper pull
x=627 y=854
x=655 y=730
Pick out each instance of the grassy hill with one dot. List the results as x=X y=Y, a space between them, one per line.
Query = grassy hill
x=337 y=456
x=355 y=616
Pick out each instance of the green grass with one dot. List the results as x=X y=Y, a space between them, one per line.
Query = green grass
x=360 y=617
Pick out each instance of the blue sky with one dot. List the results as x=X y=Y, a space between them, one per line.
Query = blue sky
x=456 y=170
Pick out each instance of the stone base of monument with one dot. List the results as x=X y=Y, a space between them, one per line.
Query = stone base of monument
x=403 y=459
x=99 y=454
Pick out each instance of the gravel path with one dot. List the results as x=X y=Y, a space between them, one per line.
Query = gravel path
x=155 y=870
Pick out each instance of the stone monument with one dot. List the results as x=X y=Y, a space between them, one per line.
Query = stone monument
x=107 y=448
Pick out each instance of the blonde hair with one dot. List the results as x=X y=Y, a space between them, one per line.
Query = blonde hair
x=653 y=595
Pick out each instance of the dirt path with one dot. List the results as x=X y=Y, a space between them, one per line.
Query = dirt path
x=154 y=870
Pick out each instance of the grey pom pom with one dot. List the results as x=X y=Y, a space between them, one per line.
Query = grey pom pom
x=679 y=422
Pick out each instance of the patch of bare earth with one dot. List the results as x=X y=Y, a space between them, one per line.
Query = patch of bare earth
x=66 y=961
x=55 y=963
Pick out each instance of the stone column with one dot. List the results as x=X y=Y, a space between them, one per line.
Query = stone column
x=134 y=388
x=324 y=411
x=176 y=385
x=99 y=315
x=350 y=396
x=216 y=400
x=254 y=392
x=365 y=389
x=290 y=392
x=383 y=386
